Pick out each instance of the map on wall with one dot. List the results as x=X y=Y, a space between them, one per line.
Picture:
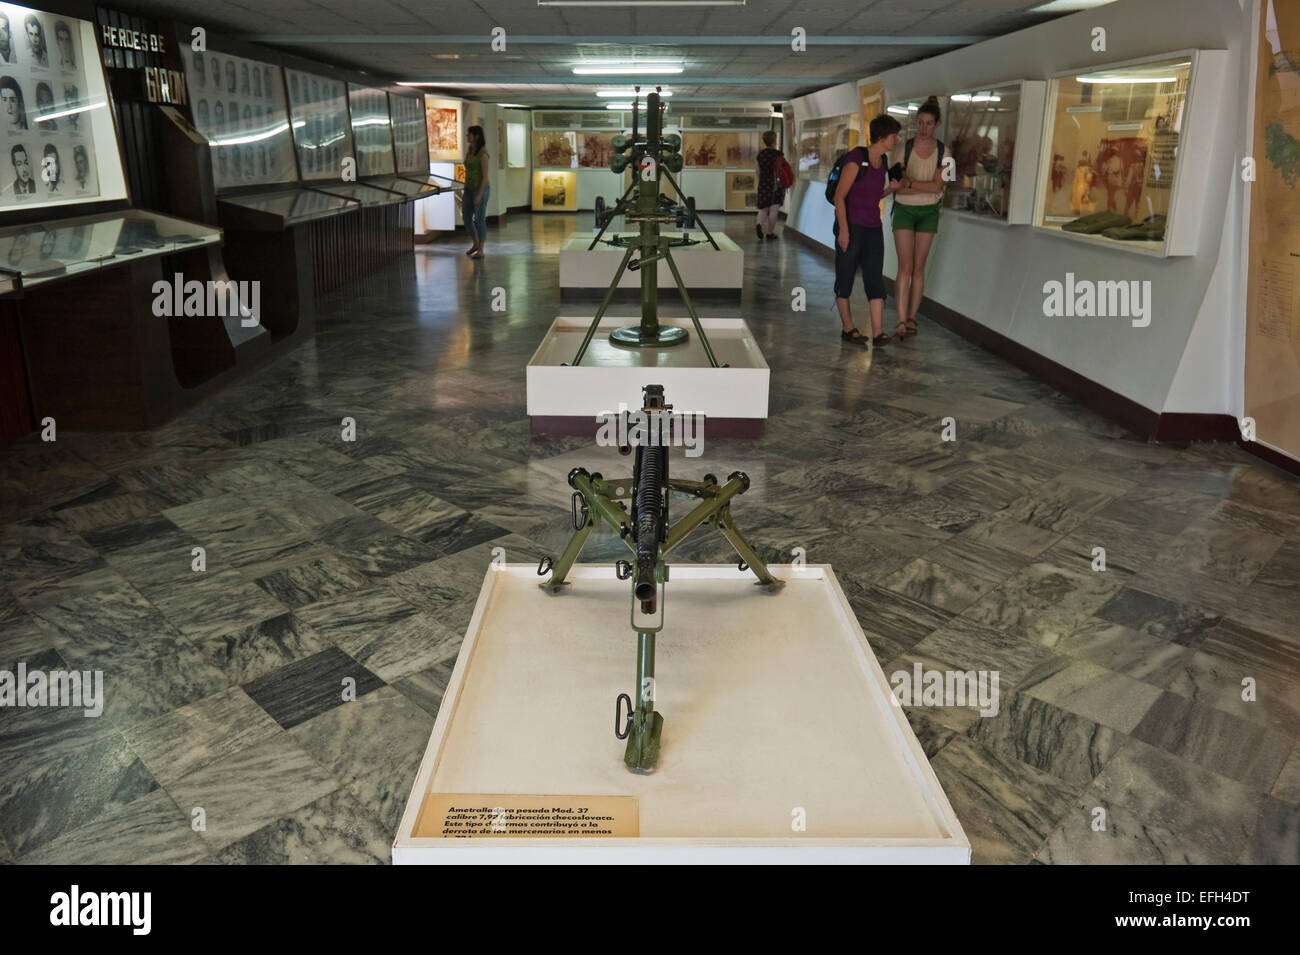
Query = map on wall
x=238 y=105
x=1272 y=321
x=48 y=134
x=444 y=131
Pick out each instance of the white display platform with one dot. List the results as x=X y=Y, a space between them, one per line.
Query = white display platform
x=772 y=702
x=609 y=374
x=703 y=268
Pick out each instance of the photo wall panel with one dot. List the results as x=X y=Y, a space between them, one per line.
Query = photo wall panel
x=410 y=137
x=239 y=106
x=322 y=133
x=372 y=130
x=444 y=131
x=53 y=107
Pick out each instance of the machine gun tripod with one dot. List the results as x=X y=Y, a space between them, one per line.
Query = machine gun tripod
x=649 y=535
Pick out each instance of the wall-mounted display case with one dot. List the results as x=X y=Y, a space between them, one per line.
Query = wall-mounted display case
x=322 y=133
x=372 y=130
x=239 y=106
x=1119 y=142
x=60 y=141
x=993 y=136
x=906 y=111
x=822 y=141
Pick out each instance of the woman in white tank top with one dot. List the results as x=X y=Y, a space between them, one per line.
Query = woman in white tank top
x=916 y=215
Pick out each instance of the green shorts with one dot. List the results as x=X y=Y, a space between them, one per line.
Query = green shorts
x=916 y=218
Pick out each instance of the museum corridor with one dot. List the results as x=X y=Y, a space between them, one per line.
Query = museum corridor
x=328 y=558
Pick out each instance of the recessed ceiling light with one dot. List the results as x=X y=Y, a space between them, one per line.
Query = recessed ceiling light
x=637 y=70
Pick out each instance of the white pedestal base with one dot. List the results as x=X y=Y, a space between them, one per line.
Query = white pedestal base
x=608 y=375
x=772 y=703
x=702 y=266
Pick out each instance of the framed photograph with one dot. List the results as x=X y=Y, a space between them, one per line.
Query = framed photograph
x=720 y=150
x=322 y=132
x=372 y=130
x=555 y=190
x=410 y=139
x=444 y=131
x=742 y=191
x=59 y=138
x=553 y=149
x=822 y=141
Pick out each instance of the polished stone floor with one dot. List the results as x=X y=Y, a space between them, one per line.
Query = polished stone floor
x=1164 y=689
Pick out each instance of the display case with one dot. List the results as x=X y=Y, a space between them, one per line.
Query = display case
x=361 y=193
x=60 y=139
x=822 y=141
x=277 y=211
x=322 y=132
x=372 y=130
x=239 y=106
x=905 y=111
x=40 y=253
x=993 y=136
x=1117 y=151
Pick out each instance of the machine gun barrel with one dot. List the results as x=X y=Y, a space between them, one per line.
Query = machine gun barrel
x=651 y=480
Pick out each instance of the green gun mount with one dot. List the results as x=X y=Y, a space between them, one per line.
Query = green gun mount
x=653 y=158
x=649 y=535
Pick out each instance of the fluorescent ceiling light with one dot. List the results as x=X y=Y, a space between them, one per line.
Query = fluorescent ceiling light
x=512 y=105
x=976 y=98
x=644 y=70
x=896 y=110
x=1126 y=79
x=625 y=93
x=618 y=106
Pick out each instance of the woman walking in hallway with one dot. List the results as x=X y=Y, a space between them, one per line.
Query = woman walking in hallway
x=916 y=213
x=770 y=191
x=475 y=197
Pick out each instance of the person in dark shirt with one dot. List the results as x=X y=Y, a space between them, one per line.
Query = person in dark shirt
x=859 y=238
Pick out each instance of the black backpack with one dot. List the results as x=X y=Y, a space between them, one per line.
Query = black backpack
x=833 y=181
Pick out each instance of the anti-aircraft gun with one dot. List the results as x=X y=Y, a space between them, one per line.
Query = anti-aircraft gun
x=648 y=533
x=653 y=158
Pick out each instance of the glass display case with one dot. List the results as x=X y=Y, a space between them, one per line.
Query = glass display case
x=238 y=105
x=322 y=132
x=410 y=137
x=410 y=187
x=822 y=141
x=360 y=192
x=60 y=140
x=276 y=211
x=1110 y=164
x=372 y=130
x=905 y=112
x=982 y=129
x=42 y=252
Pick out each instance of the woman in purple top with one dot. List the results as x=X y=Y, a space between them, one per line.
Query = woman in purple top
x=859 y=239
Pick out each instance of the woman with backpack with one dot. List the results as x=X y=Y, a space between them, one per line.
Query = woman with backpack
x=861 y=181
x=775 y=175
x=916 y=213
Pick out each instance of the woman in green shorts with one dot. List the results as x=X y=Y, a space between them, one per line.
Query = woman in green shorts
x=916 y=214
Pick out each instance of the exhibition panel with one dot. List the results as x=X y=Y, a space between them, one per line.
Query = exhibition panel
x=60 y=135
x=239 y=105
x=322 y=133
x=277 y=211
x=372 y=129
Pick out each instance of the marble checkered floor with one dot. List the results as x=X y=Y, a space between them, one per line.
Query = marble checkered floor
x=224 y=737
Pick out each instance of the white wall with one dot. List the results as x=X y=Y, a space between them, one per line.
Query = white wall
x=995 y=274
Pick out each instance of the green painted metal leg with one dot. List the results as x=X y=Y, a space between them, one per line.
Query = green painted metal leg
x=690 y=308
x=747 y=553
x=642 y=753
x=560 y=569
x=600 y=312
